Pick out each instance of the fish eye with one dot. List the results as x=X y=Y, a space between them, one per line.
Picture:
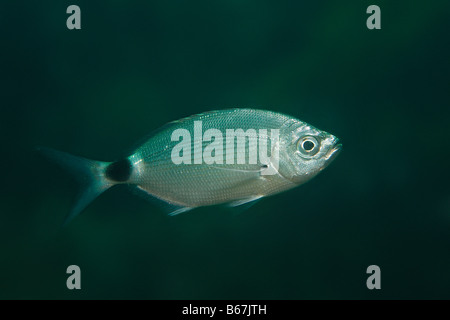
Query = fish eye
x=308 y=145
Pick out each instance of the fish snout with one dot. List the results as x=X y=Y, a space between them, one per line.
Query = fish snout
x=333 y=152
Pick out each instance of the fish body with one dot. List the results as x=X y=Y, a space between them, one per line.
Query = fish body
x=232 y=156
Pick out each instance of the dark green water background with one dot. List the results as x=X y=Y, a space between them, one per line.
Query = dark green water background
x=136 y=65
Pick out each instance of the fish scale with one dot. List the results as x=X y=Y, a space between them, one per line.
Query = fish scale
x=154 y=173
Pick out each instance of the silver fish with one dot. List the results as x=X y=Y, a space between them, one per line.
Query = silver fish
x=193 y=162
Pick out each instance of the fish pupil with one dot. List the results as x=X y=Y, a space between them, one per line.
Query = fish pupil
x=119 y=171
x=308 y=145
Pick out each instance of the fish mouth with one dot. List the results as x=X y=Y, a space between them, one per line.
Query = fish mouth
x=333 y=153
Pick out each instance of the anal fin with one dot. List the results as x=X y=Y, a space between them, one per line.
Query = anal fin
x=244 y=204
x=177 y=210
x=170 y=208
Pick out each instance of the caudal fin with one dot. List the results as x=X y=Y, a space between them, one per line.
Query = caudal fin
x=89 y=173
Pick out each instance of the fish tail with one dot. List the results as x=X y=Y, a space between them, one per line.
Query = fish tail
x=91 y=175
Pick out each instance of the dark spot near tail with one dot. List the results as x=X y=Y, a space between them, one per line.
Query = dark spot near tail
x=119 y=171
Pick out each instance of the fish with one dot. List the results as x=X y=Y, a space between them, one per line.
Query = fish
x=233 y=157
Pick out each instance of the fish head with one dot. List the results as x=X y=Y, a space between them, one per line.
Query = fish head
x=305 y=151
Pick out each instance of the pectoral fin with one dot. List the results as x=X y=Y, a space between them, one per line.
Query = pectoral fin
x=252 y=169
